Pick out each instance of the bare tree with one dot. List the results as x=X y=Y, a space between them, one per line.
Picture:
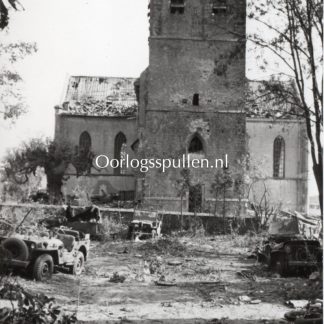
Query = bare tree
x=257 y=191
x=260 y=200
x=292 y=32
x=223 y=182
x=183 y=184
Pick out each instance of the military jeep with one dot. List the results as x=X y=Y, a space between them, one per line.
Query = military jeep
x=39 y=256
x=285 y=249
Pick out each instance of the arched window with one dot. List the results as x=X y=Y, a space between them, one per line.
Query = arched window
x=279 y=157
x=196 y=145
x=120 y=151
x=84 y=143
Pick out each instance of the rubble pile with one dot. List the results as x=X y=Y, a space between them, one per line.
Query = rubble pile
x=93 y=107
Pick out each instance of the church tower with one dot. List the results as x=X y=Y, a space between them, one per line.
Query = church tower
x=192 y=95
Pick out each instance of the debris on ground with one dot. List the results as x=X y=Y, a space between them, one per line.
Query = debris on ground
x=245 y=299
x=309 y=290
x=164 y=246
x=174 y=262
x=315 y=276
x=255 y=301
x=310 y=313
x=116 y=278
x=247 y=275
x=203 y=284
x=297 y=303
x=165 y=283
x=156 y=266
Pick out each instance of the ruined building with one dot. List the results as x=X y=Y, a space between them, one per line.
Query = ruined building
x=99 y=115
x=192 y=101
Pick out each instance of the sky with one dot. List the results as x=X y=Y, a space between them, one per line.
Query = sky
x=76 y=37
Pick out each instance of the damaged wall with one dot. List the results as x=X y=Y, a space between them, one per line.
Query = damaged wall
x=169 y=137
x=103 y=131
x=195 y=85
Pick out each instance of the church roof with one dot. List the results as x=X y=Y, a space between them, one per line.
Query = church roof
x=99 y=96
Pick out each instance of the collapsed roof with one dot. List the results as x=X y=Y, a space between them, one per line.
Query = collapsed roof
x=116 y=97
x=99 y=96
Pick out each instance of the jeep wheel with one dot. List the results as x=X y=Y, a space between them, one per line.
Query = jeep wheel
x=43 y=267
x=78 y=265
x=267 y=254
x=281 y=266
x=17 y=248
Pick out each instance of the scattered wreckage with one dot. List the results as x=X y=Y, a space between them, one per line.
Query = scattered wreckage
x=286 y=249
x=66 y=249
x=87 y=220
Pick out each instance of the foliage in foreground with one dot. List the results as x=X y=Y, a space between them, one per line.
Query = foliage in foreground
x=30 y=308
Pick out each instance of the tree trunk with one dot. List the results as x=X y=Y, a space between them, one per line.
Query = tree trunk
x=195 y=213
x=224 y=208
x=181 y=214
x=215 y=206
x=54 y=185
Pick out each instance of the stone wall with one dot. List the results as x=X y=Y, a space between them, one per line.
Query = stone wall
x=171 y=222
x=168 y=135
x=103 y=131
x=192 y=54
x=291 y=191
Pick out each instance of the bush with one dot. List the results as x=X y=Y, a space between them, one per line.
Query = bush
x=110 y=227
x=30 y=308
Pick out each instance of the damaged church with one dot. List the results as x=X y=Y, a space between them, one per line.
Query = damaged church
x=193 y=99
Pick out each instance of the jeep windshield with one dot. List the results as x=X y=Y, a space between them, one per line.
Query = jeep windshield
x=284 y=227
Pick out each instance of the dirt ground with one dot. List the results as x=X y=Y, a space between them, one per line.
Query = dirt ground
x=210 y=280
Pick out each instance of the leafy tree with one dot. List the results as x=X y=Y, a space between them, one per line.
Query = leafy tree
x=4 y=11
x=11 y=99
x=292 y=33
x=22 y=162
x=12 y=103
x=52 y=156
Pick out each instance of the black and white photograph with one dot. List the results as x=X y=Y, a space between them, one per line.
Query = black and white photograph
x=161 y=161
